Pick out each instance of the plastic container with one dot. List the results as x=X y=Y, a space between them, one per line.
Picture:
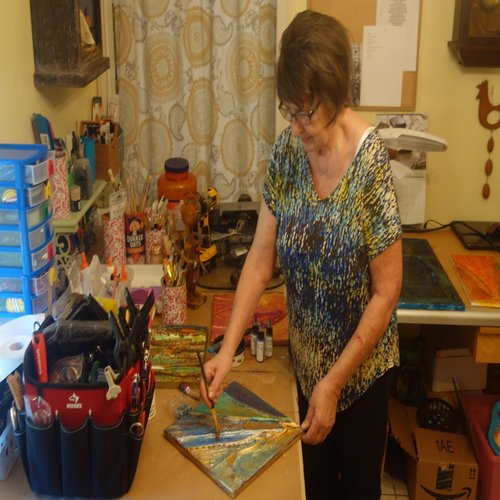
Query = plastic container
x=174 y=185
x=36 y=194
x=11 y=282
x=478 y=408
x=22 y=305
x=33 y=160
x=8 y=451
x=15 y=258
x=176 y=181
x=36 y=237
x=23 y=294
x=34 y=215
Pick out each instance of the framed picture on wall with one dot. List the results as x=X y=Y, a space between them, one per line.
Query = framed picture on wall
x=476 y=33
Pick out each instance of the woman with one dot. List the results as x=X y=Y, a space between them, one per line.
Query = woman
x=329 y=212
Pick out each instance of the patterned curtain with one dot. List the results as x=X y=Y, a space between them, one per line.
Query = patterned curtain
x=196 y=79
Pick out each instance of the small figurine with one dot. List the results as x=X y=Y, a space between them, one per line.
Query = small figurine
x=190 y=211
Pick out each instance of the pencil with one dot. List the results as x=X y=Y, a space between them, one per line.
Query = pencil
x=212 y=408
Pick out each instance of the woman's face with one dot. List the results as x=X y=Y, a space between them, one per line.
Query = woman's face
x=311 y=125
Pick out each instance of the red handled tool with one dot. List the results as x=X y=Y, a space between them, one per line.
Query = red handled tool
x=40 y=355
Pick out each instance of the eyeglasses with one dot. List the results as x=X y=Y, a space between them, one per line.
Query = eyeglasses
x=301 y=117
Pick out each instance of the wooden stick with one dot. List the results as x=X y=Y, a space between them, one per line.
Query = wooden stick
x=145 y=193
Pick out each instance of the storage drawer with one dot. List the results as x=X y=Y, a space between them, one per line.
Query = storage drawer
x=36 y=237
x=13 y=258
x=32 y=174
x=34 y=216
x=487 y=345
x=31 y=285
x=23 y=162
x=34 y=195
x=20 y=305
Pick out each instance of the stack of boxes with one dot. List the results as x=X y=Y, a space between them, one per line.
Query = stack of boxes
x=26 y=233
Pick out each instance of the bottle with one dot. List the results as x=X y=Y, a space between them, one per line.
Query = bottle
x=268 y=341
x=259 y=348
x=85 y=276
x=75 y=198
x=253 y=337
x=82 y=177
x=173 y=185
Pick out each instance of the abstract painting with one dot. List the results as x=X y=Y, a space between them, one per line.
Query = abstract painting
x=253 y=436
x=271 y=306
x=480 y=277
x=173 y=353
x=425 y=283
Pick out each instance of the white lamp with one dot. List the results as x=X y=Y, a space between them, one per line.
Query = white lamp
x=414 y=140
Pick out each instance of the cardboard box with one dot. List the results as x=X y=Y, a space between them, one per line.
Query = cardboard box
x=107 y=156
x=447 y=357
x=486 y=346
x=439 y=464
x=478 y=408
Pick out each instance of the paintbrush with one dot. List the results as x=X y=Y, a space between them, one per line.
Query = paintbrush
x=185 y=389
x=212 y=408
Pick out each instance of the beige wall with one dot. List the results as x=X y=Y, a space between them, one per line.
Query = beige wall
x=19 y=98
x=446 y=92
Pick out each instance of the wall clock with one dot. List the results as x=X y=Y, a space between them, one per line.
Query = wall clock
x=476 y=33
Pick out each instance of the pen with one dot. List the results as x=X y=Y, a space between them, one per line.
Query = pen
x=212 y=408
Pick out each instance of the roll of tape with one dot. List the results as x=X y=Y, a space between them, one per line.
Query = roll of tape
x=14 y=346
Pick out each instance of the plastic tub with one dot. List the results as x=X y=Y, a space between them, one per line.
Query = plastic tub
x=478 y=408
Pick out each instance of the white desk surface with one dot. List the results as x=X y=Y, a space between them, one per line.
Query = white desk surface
x=445 y=244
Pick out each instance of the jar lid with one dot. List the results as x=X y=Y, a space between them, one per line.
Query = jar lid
x=176 y=165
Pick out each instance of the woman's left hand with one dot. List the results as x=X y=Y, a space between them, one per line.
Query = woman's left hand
x=320 y=414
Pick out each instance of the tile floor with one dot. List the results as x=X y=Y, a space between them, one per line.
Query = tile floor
x=393 y=481
x=393 y=488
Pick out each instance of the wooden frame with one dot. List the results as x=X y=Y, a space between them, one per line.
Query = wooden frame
x=476 y=33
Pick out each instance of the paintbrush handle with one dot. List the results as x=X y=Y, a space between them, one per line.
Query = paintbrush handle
x=204 y=377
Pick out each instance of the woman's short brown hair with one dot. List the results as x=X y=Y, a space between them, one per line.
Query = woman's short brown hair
x=315 y=62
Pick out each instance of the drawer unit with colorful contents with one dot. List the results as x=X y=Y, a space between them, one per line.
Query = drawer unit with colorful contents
x=26 y=232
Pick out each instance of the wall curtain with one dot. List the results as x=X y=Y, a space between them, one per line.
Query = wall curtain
x=197 y=79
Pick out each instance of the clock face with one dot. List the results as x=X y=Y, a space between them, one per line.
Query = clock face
x=484 y=19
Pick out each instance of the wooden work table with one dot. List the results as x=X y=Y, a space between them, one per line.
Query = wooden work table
x=164 y=472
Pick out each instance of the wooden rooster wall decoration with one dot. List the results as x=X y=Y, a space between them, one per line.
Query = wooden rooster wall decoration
x=485 y=108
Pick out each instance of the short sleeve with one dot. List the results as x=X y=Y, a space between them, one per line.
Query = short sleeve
x=381 y=218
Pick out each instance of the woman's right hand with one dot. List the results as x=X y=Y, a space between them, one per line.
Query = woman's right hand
x=216 y=370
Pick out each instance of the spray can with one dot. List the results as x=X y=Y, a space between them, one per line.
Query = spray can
x=268 y=341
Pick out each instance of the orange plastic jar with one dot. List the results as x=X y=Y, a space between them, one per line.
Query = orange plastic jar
x=174 y=185
x=177 y=180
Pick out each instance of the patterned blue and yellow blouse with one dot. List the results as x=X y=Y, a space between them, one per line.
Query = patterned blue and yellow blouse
x=324 y=246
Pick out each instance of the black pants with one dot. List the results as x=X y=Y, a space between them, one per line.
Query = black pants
x=348 y=464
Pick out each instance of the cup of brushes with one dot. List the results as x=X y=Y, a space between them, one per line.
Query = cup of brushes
x=174 y=295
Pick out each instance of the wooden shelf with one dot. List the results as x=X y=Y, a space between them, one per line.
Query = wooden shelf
x=62 y=58
x=70 y=223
